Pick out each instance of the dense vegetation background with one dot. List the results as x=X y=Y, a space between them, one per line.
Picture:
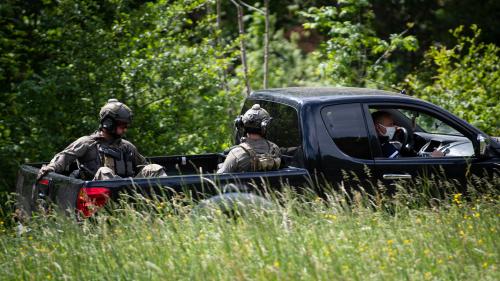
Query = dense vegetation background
x=177 y=64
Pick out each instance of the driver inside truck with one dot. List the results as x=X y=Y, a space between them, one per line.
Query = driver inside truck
x=105 y=154
x=386 y=130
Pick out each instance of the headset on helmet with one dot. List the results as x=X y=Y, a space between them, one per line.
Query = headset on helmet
x=256 y=119
x=112 y=112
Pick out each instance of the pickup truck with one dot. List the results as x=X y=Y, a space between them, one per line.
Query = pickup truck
x=324 y=134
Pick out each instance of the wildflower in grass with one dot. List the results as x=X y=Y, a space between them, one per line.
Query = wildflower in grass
x=457 y=198
x=485 y=265
x=476 y=214
x=428 y=276
x=330 y=217
x=390 y=242
x=276 y=264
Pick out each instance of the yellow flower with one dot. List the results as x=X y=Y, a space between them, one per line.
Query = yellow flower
x=477 y=215
x=276 y=264
x=390 y=242
x=330 y=217
x=407 y=241
x=427 y=275
x=457 y=197
x=485 y=265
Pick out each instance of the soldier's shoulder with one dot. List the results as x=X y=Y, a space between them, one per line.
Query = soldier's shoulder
x=237 y=151
x=85 y=140
x=126 y=143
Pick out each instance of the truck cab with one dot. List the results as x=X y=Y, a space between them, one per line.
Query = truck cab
x=331 y=132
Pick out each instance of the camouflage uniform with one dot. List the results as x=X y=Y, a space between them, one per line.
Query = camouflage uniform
x=239 y=159
x=99 y=160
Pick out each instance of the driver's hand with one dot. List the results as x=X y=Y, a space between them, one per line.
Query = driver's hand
x=44 y=171
x=437 y=153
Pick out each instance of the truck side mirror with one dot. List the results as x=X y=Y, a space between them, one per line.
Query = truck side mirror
x=483 y=145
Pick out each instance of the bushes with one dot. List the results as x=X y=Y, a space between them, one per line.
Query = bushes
x=464 y=79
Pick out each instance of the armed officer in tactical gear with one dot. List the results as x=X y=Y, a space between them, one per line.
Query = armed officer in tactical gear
x=255 y=153
x=105 y=154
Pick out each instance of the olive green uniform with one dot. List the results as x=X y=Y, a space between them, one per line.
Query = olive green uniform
x=240 y=160
x=99 y=159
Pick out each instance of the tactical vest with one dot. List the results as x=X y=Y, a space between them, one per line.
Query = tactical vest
x=261 y=161
x=118 y=159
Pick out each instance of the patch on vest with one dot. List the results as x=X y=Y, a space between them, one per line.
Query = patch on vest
x=261 y=161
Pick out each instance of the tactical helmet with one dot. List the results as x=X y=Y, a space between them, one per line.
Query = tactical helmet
x=255 y=119
x=114 y=111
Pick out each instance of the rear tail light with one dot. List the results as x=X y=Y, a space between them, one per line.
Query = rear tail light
x=91 y=199
x=44 y=182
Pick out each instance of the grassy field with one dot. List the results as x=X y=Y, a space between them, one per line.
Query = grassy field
x=405 y=237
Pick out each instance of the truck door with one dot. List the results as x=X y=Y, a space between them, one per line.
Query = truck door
x=344 y=145
x=431 y=146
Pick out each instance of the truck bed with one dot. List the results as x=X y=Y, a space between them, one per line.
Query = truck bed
x=191 y=175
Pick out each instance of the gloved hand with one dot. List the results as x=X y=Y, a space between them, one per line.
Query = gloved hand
x=44 y=171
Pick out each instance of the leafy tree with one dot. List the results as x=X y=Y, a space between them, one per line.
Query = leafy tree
x=464 y=79
x=159 y=58
x=352 y=54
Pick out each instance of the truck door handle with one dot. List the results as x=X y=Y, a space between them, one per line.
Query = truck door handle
x=396 y=177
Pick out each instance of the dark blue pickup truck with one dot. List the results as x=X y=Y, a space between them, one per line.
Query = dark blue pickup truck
x=324 y=134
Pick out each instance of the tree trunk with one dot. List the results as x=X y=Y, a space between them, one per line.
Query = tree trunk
x=241 y=28
x=266 y=46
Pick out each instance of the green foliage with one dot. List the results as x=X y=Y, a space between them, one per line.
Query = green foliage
x=353 y=54
x=464 y=79
x=288 y=65
x=159 y=58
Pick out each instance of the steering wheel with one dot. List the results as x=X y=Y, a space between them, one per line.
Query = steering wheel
x=402 y=136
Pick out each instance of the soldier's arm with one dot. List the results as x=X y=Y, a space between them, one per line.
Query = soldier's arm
x=63 y=159
x=229 y=164
x=138 y=158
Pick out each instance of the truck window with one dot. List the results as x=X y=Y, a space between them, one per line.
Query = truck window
x=284 y=128
x=346 y=125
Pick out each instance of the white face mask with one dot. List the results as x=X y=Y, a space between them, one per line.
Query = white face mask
x=389 y=131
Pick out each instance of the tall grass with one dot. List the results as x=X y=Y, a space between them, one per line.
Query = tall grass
x=411 y=235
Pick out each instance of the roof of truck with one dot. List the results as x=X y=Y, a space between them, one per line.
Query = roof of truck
x=302 y=95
